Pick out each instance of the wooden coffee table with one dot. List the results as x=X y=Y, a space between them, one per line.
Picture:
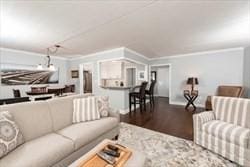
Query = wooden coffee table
x=135 y=159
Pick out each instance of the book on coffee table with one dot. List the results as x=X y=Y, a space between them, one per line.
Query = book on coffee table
x=96 y=161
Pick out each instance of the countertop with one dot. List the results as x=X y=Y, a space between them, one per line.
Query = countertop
x=116 y=87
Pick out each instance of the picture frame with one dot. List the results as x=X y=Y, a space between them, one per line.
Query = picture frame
x=22 y=74
x=74 y=74
x=141 y=75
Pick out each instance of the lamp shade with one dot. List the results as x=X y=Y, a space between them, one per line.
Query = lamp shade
x=192 y=81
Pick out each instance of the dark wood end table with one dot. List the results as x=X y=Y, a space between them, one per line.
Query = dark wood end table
x=190 y=96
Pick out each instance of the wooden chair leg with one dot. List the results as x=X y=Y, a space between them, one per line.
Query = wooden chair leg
x=150 y=100
x=153 y=99
x=134 y=103
x=130 y=103
x=144 y=104
x=140 y=105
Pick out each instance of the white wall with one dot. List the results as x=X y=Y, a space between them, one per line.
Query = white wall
x=32 y=59
x=215 y=68
x=118 y=98
x=212 y=69
x=247 y=70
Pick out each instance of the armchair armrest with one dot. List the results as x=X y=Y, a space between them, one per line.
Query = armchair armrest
x=114 y=113
x=203 y=117
x=198 y=120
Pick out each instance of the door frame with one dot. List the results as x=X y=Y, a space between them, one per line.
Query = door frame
x=170 y=77
x=81 y=77
x=146 y=67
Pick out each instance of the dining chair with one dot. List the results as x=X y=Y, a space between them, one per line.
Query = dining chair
x=16 y=93
x=138 y=97
x=150 y=93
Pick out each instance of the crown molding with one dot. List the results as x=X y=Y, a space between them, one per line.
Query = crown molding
x=136 y=53
x=124 y=49
x=96 y=53
x=31 y=53
x=198 y=53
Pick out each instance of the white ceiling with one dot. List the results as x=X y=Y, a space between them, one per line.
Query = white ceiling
x=152 y=28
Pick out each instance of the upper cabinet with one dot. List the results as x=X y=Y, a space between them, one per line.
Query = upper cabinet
x=111 y=70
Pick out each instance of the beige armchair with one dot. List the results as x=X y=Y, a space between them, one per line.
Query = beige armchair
x=226 y=91
x=226 y=129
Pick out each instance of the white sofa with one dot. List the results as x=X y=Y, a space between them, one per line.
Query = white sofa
x=50 y=137
x=226 y=129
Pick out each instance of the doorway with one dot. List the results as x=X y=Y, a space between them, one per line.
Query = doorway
x=87 y=83
x=86 y=78
x=161 y=73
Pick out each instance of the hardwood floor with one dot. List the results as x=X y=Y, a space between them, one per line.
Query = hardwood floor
x=170 y=119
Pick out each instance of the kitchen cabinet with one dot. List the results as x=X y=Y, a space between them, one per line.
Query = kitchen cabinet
x=111 y=70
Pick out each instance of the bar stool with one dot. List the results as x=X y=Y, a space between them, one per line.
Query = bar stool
x=150 y=93
x=138 y=97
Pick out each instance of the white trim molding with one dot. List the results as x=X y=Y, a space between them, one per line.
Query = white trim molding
x=197 y=53
x=96 y=54
x=125 y=111
x=32 y=53
x=136 y=53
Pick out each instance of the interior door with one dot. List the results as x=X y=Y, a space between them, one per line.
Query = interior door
x=87 y=75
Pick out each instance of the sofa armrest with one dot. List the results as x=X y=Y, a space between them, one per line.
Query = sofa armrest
x=114 y=113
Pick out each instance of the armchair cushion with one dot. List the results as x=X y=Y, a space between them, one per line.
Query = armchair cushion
x=229 y=132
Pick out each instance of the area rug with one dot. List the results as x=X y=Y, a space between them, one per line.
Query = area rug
x=163 y=150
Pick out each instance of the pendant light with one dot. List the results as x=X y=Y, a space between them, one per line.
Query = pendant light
x=49 y=65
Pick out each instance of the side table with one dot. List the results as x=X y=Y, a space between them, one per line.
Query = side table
x=191 y=96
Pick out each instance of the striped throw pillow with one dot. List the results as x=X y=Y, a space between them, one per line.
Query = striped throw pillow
x=85 y=109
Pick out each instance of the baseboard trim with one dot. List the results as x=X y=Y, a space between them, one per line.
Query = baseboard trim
x=125 y=111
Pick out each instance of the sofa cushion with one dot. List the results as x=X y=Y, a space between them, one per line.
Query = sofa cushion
x=10 y=135
x=40 y=152
x=33 y=118
x=85 y=109
x=85 y=132
x=62 y=110
x=229 y=132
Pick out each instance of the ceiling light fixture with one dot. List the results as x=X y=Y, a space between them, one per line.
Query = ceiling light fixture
x=49 y=65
